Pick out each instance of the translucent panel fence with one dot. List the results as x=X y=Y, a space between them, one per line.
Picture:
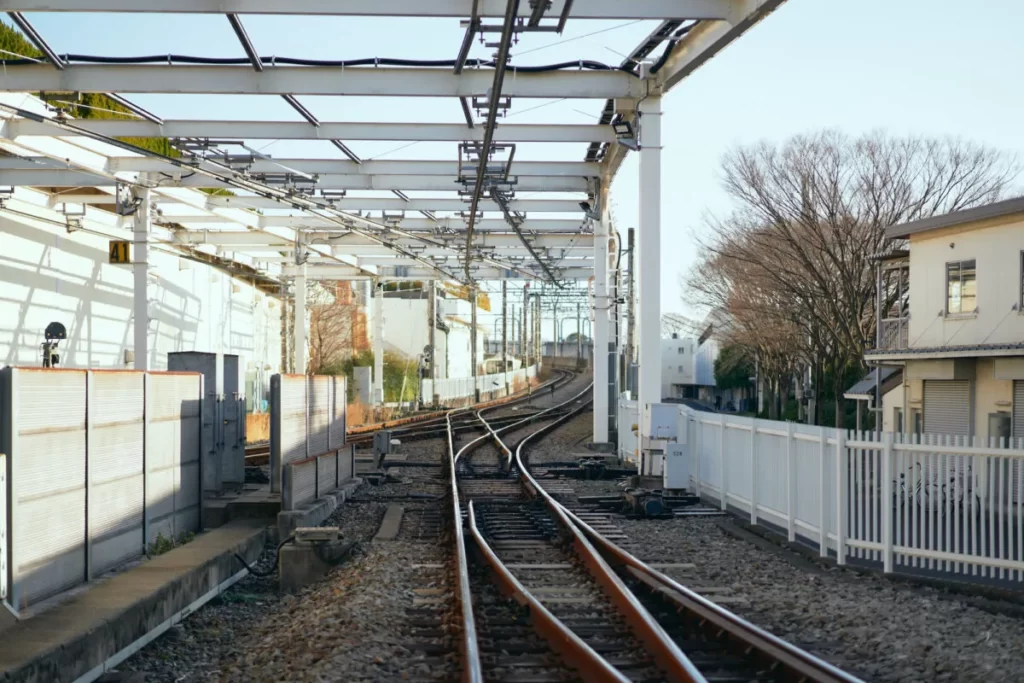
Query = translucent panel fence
x=490 y=386
x=936 y=503
x=307 y=431
x=98 y=464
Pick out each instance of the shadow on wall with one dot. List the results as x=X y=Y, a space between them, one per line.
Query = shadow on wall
x=47 y=277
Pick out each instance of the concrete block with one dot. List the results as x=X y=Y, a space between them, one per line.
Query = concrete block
x=389 y=526
x=315 y=512
x=300 y=564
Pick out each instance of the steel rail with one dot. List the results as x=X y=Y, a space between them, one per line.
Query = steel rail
x=666 y=653
x=744 y=636
x=576 y=652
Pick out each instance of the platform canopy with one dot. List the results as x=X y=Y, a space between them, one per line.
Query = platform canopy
x=495 y=197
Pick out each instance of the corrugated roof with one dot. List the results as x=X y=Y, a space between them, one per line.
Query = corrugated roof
x=994 y=210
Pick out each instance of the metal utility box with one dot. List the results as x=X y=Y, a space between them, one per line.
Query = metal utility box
x=676 y=468
x=659 y=421
x=999 y=425
x=223 y=415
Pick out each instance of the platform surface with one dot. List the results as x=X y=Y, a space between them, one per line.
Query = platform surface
x=80 y=634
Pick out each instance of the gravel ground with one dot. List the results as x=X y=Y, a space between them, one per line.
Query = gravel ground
x=875 y=629
x=347 y=627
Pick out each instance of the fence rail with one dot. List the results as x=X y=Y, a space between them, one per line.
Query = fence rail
x=933 y=503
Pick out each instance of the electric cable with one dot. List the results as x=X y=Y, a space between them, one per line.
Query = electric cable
x=273 y=567
x=585 y=64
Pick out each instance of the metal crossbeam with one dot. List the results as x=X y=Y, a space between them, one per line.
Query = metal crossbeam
x=292 y=130
x=503 y=242
x=35 y=177
x=488 y=9
x=325 y=272
x=320 y=80
x=342 y=167
x=416 y=204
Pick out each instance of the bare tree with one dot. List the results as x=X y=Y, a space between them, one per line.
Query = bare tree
x=794 y=260
x=332 y=318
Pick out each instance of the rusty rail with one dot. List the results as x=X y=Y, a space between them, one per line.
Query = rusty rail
x=797 y=665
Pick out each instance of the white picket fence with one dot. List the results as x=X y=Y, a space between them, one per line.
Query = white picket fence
x=455 y=388
x=935 y=503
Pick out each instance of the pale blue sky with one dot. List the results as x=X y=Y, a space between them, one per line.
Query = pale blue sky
x=925 y=66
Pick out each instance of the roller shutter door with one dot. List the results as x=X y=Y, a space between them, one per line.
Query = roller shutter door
x=947 y=407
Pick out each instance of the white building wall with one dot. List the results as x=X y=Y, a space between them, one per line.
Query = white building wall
x=677 y=365
x=707 y=354
x=405 y=325
x=49 y=275
x=997 y=252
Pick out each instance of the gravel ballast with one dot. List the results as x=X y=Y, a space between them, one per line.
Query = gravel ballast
x=876 y=629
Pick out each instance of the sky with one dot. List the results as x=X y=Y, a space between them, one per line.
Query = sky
x=931 y=67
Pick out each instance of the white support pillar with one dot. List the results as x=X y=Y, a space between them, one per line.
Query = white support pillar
x=602 y=326
x=649 y=255
x=299 y=327
x=378 y=345
x=140 y=266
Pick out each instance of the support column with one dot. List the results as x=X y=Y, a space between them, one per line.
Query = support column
x=140 y=266
x=537 y=326
x=472 y=344
x=579 y=336
x=504 y=332
x=602 y=327
x=630 y=354
x=649 y=254
x=378 y=345
x=526 y=318
x=431 y=327
x=299 y=329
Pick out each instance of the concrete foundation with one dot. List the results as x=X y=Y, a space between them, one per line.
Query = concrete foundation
x=316 y=511
x=300 y=564
x=88 y=635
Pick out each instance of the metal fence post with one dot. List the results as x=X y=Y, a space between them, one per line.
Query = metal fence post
x=887 y=503
x=721 y=462
x=841 y=465
x=822 y=488
x=753 y=470
x=790 y=484
x=88 y=475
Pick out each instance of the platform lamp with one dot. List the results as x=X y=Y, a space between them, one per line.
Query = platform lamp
x=53 y=334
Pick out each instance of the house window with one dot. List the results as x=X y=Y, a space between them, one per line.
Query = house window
x=961 y=287
x=680 y=368
x=897 y=420
x=681 y=350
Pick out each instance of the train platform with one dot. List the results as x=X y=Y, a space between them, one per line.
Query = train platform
x=97 y=627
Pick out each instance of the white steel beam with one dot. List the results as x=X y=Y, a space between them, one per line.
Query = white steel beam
x=602 y=323
x=321 y=272
x=295 y=130
x=299 y=327
x=378 y=346
x=36 y=177
x=649 y=255
x=410 y=167
x=415 y=204
x=342 y=241
x=319 y=80
x=487 y=9
x=140 y=268
x=708 y=38
x=542 y=225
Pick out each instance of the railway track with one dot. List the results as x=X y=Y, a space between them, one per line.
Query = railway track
x=581 y=607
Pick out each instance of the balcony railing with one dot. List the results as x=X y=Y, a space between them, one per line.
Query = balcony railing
x=893 y=334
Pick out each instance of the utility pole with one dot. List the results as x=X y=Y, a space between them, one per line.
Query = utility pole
x=630 y=310
x=526 y=317
x=579 y=336
x=504 y=332
x=538 y=350
x=431 y=325
x=378 y=346
x=472 y=343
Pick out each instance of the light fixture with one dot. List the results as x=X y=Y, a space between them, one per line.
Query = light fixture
x=623 y=129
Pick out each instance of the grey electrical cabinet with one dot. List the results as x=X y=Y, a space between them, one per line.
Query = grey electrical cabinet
x=223 y=433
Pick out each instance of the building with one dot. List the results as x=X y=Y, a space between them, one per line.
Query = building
x=950 y=319
x=678 y=367
x=407 y=330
